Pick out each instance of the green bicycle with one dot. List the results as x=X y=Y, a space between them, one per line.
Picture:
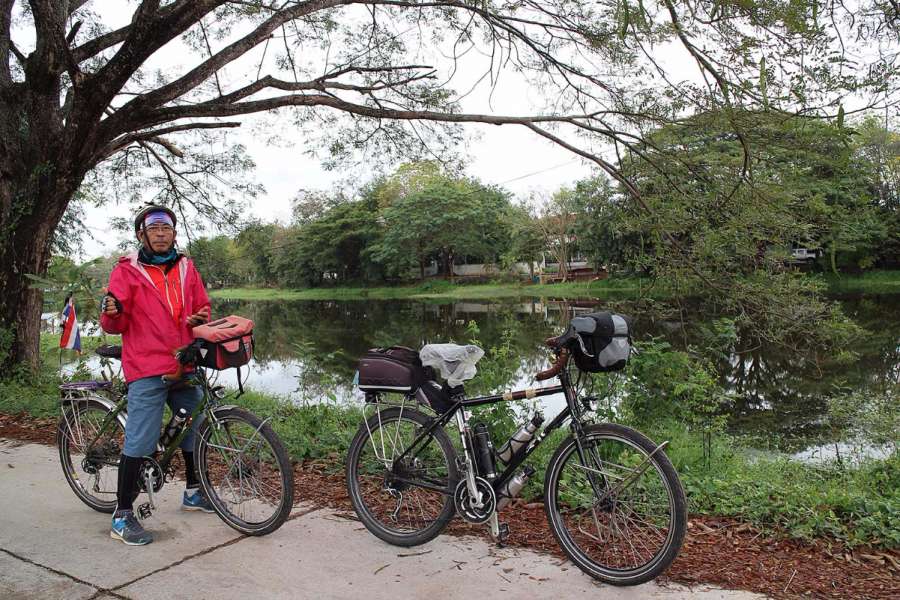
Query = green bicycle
x=241 y=464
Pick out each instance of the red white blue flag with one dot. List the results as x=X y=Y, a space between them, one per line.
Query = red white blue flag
x=71 y=335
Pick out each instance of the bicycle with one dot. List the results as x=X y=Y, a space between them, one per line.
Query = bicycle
x=612 y=497
x=242 y=466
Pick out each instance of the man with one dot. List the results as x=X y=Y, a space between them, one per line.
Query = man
x=155 y=297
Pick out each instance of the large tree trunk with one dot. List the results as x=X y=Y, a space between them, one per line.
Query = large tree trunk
x=37 y=181
x=31 y=212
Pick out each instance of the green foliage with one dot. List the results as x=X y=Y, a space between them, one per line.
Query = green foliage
x=84 y=282
x=322 y=430
x=215 y=260
x=859 y=505
x=598 y=228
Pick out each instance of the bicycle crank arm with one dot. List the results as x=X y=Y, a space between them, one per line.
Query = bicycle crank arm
x=148 y=484
x=495 y=526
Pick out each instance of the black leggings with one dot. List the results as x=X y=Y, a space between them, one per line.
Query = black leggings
x=130 y=474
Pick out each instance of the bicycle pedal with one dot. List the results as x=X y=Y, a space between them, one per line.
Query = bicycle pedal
x=144 y=511
x=504 y=534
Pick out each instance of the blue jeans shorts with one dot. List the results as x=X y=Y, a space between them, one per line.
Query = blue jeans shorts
x=146 y=399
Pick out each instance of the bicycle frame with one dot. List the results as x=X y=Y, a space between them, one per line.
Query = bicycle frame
x=458 y=410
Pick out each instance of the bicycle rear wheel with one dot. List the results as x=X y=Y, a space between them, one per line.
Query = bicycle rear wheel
x=244 y=471
x=410 y=502
x=616 y=507
x=92 y=473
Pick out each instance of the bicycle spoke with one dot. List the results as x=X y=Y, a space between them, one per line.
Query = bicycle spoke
x=615 y=509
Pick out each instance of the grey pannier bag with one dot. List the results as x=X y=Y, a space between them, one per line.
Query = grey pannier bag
x=603 y=343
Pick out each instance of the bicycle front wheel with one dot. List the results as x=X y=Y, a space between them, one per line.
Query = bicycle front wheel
x=92 y=472
x=615 y=505
x=406 y=502
x=244 y=471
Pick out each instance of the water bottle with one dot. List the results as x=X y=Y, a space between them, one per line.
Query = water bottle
x=484 y=451
x=520 y=438
x=173 y=427
x=512 y=487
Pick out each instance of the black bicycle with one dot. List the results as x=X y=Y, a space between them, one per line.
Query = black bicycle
x=612 y=497
x=242 y=465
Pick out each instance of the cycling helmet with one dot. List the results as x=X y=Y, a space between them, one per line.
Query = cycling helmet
x=139 y=218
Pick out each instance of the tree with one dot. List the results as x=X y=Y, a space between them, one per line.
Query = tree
x=83 y=99
x=556 y=222
x=710 y=226
x=254 y=247
x=215 y=258
x=600 y=227
x=526 y=239
x=878 y=146
x=446 y=218
x=336 y=243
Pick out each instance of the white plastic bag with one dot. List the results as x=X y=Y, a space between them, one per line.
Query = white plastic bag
x=454 y=362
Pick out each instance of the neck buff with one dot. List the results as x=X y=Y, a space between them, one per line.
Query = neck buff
x=152 y=258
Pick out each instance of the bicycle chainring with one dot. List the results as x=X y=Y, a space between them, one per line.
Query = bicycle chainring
x=465 y=505
x=155 y=472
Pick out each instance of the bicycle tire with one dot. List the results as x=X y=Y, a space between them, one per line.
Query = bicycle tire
x=372 y=500
x=256 y=476
x=645 y=519
x=80 y=422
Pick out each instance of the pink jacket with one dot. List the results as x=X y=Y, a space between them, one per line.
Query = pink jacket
x=149 y=334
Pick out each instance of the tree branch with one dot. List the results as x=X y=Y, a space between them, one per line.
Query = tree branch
x=202 y=72
x=51 y=54
x=218 y=109
x=150 y=30
x=155 y=134
x=74 y=5
x=99 y=44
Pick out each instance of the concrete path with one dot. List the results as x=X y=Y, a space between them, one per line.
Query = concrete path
x=53 y=546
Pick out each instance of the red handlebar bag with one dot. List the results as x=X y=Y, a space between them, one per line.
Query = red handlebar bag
x=225 y=343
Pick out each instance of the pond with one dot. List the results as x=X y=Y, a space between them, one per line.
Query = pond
x=307 y=351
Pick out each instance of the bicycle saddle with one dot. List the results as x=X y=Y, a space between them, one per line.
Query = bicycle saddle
x=108 y=351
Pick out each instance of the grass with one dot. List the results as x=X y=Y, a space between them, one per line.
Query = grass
x=884 y=282
x=873 y=282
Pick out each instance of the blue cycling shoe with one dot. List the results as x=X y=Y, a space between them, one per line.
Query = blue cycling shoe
x=127 y=528
x=195 y=500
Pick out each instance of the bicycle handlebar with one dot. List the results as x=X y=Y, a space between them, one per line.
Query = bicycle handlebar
x=562 y=360
x=186 y=355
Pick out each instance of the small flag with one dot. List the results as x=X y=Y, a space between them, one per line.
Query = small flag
x=71 y=334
